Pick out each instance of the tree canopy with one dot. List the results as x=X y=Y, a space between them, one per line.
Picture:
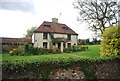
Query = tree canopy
x=30 y=32
x=97 y=13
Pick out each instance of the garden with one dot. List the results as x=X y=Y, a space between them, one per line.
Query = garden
x=8 y=57
x=26 y=58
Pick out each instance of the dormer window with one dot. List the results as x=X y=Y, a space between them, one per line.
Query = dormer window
x=65 y=28
x=47 y=26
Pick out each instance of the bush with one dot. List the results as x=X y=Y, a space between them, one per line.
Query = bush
x=67 y=50
x=43 y=51
x=83 y=48
x=75 y=49
x=24 y=50
x=18 y=51
x=8 y=48
x=53 y=50
x=110 y=43
x=34 y=51
x=28 y=49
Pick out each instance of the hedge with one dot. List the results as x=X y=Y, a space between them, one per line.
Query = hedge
x=21 y=66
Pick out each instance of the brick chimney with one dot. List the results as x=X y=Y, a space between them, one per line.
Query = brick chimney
x=55 y=20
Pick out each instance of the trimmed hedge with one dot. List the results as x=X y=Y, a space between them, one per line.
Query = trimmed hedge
x=45 y=65
x=110 y=44
x=21 y=66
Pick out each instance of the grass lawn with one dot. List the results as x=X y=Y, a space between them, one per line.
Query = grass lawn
x=93 y=52
x=6 y=57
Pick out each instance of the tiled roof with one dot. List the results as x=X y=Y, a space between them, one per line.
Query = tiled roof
x=7 y=40
x=55 y=28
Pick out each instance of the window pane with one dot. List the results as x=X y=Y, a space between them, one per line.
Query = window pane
x=45 y=35
x=69 y=37
x=45 y=44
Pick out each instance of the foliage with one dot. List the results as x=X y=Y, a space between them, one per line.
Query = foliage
x=46 y=64
x=35 y=63
x=75 y=49
x=110 y=44
x=89 y=70
x=30 y=32
x=67 y=50
x=43 y=51
x=53 y=50
x=98 y=14
x=28 y=49
x=54 y=40
x=8 y=48
x=18 y=51
x=83 y=48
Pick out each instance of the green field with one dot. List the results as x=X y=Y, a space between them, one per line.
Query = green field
x=93 y=52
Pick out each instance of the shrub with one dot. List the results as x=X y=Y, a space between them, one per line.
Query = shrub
x=53 y=50
x=66 y=50
x=43 y=51
x=23 y=50
x=83 y=48
x=8 y=48
x=17 y=51
x=75 y=49
x=28 y=49
x=110 y=43
x=34 y=51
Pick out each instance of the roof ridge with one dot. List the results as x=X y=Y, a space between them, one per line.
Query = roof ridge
x=52 y=22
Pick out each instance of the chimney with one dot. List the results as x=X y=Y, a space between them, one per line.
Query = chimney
x=55 y=20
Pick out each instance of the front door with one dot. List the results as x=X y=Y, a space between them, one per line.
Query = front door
x=59 y=45
x=64 y=45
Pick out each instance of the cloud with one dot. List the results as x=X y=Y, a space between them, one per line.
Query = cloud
x=25 y=6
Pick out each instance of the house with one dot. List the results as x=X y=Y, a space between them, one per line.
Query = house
x=54 y=34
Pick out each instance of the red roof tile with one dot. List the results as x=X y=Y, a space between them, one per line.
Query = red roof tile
x=16 y=40
x=55 y=28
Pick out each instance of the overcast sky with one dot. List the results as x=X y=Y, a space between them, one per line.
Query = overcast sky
x=16 y=16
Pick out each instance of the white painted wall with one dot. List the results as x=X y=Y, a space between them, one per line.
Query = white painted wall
x=60 y=35
x=38 y=39
x=73 y=38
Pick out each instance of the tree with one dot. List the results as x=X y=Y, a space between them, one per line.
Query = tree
x=98 y=14
x=30 y=32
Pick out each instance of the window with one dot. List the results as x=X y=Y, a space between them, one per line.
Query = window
x=53 y=44
x=69 y=37
x=47 y=26
x=45 y=35
x=45 y=44
x=65 y=28
x=69 y=44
